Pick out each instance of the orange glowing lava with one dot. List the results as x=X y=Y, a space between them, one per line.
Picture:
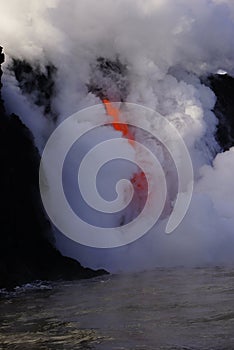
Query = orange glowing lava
x=138 y=180
x=117 y=124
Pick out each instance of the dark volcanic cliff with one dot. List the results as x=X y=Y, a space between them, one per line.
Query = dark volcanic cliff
x=27 y=252
x=223 y=87
x=26 y=249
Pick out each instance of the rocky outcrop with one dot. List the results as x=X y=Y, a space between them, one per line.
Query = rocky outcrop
x=223 y=87
x=27 y=252
x=38 y=84
x=109 y=79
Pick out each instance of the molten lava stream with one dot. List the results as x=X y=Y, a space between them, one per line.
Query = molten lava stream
x=117 y=125
x=138 y=180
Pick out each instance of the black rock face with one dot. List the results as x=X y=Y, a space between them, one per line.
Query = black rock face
x=223 y=87
x=36 y=83
x=1 y=61
x=109 y=79
x=26 y=243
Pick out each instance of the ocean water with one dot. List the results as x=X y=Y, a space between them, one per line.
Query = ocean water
x=161 y=309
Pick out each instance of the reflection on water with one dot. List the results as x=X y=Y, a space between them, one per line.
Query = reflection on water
x=163 y=309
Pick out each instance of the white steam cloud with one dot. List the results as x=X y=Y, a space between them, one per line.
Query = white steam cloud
x=166 y=45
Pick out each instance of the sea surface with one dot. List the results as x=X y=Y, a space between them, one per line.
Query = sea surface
x=161 y=309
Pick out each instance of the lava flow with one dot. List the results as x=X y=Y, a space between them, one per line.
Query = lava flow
x=138 y=179
x=117 y=125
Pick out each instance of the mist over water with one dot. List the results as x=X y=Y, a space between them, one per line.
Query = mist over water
x=168 y=309
x=164 y=47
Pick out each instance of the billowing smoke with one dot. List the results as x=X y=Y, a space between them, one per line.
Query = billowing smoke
x=147 y=52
